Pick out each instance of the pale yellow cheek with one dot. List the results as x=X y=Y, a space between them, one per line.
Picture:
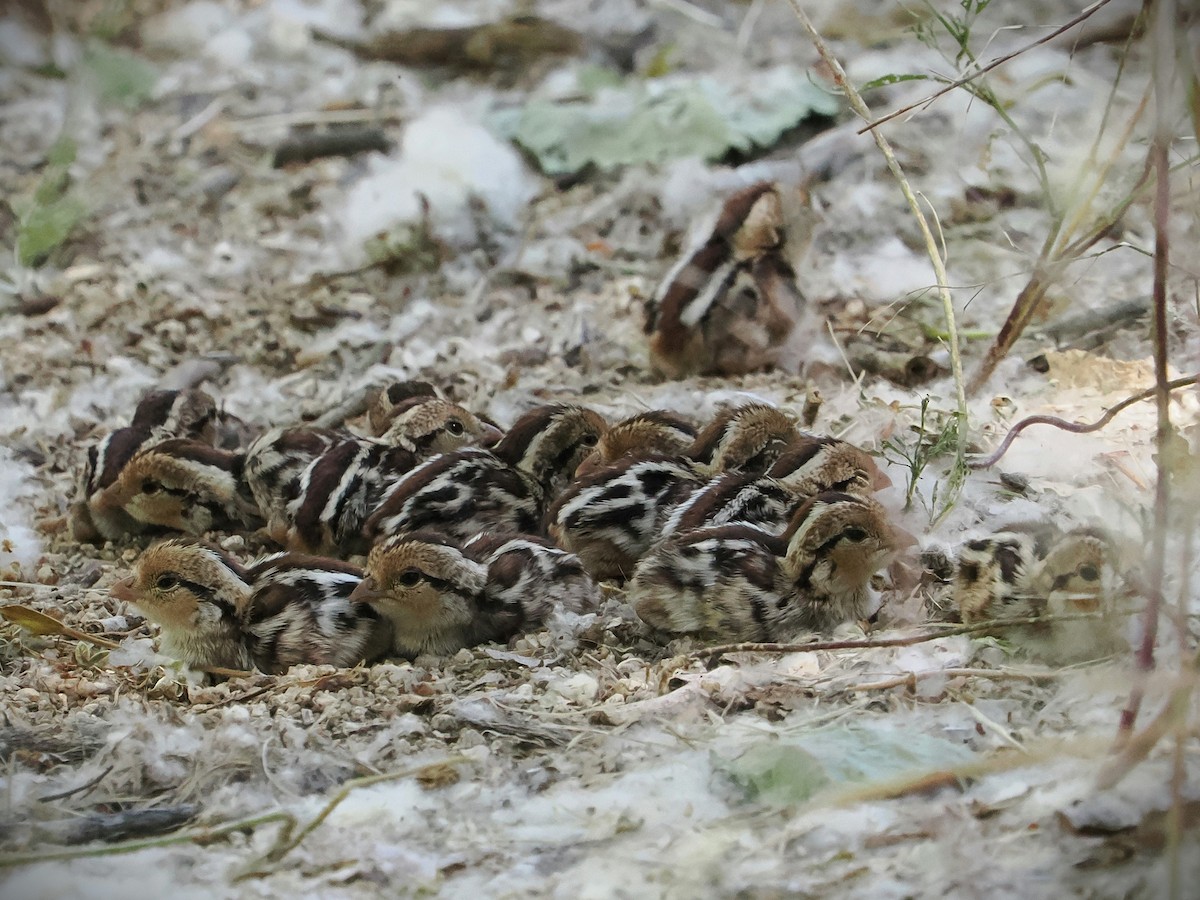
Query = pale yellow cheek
x=855 y=565
x=412 y=604
x=158 y=509
x=169 y=612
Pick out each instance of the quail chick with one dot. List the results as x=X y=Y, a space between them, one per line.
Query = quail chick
x=159 y=415
x=504 y=489
x=191 y=413
x=1034 y=570
x=427 y=426
x=318 y=486
x=533 y=573
x=183 y=485
x=195 y=594
x=738 y=583
x=748 y=438
x=280 y=611
x=992 y=576
x=613 y=515
x=383 y=403
x=273 y=463
x=811 y=465
x=435 y=597
x=300 y=612
x=654 y=431
x=731 y=305
x=1079 y=575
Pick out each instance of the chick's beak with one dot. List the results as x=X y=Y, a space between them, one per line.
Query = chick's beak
x=365 y=591
x=123 y=590
x=903 y=541
x=880 y=481
x=490 y=435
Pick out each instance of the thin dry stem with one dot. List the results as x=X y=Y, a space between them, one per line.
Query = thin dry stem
x=289 y=839
x=995 y=63
x=910 y=679
x=1138 y=746
x=202 y=837
x=1074 y=427
x=870 y=643
x=931 y=247
x=1164 y=22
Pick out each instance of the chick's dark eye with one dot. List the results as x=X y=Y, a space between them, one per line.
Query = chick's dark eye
x=1089 y=573
x=855 y=534
x=454 y=426
x=151 y=487
x=409 y=577
x=166 y=582
x=589 y=440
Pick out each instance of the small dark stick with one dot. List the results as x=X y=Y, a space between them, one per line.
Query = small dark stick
x=812 y=407
x=304 y=148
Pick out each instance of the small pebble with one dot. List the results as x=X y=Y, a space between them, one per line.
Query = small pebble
x=233 y=543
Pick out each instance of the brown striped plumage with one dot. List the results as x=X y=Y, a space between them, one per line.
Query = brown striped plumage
x=283 y=610
x=159 y=415
x=503 y=490
x=440 y=596
x=383 y=404
x=1032 y=570
x=737 y=582
x=337 y=491
x=182 y=485
x=654 y=431
x=810 y=465
x=731 y=304
x=300 y=612
x=613 y=515
x=274 y=462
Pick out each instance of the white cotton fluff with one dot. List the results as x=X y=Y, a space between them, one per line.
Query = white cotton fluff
x=187 y=28
x=20 y=546
x=447 y=158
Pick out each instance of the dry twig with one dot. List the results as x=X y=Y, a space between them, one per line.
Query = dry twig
x=995 y=63
x=289 y=839
x=1159 y=160
x=1074 y=427
x=872 y=643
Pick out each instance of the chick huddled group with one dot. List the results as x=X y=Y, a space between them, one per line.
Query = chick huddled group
x=743 y=529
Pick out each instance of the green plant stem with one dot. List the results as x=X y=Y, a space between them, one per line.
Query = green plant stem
x=931 y=246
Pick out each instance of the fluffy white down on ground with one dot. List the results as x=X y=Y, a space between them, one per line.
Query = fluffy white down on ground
x=583 y=760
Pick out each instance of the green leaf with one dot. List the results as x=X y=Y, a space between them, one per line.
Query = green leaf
x=62 y=154
x=885 y=80
x=46 y=227
x=119 y=77
x=786 y=772
x=637 y=122
x=777 y=773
